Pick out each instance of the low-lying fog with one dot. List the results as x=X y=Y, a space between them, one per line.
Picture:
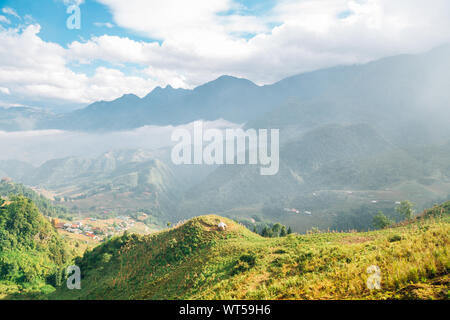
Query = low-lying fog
x=38 y=146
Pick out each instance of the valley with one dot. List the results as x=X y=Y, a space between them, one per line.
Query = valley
x=194 y=154
x=142 y=226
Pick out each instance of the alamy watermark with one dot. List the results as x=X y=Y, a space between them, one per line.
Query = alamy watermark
x=374 y=280
x=73 y=277
x=236 y=146
x=74 y=20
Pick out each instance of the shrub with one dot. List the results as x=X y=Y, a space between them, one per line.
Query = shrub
x=244 y=263
x=395 y=238
x=380 y=221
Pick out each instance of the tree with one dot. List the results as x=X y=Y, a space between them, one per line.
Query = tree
x=283 y=231
x=405 y=209
x=28 y=239
x=289 y=230
x=267 y=232
x=276 y=228
x=380 y=221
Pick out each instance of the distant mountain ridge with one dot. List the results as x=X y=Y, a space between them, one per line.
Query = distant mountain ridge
x=226 y=98
x=409 y=87
x=22 y=118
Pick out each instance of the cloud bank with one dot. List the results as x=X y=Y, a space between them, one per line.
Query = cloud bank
x=38 y=146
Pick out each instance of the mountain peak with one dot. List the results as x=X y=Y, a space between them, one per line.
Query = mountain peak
x=166 y=91
x=128 y=96
x=232 y=79
x=227 y=81
x=227 y=77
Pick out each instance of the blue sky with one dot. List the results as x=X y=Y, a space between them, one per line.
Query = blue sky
x=133 y=46
x=52 y=16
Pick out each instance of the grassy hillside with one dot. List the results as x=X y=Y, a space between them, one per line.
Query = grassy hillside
x=197 y=261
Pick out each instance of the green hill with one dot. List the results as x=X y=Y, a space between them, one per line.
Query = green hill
x=45 y=206
x=32 y=255
x=117 y=182
x=195 y=260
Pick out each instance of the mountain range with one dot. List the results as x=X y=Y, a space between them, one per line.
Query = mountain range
x=392 y=94
x=359 y=137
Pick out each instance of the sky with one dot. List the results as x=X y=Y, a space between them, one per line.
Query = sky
x=134 y=46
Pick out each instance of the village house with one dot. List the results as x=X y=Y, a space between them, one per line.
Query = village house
x=59 y=225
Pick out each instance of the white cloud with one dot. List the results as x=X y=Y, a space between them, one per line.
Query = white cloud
x=37 y=146
x=4 y=19
x=4 y=90
x=35 y=69
x=182 y=20
x=103 y=24
x=199 y=43
x=10 y=11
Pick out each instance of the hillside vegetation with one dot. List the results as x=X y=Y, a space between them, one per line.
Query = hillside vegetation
x=116 y=182
x=45 y=206
x=197 y=261
x=32 y=255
